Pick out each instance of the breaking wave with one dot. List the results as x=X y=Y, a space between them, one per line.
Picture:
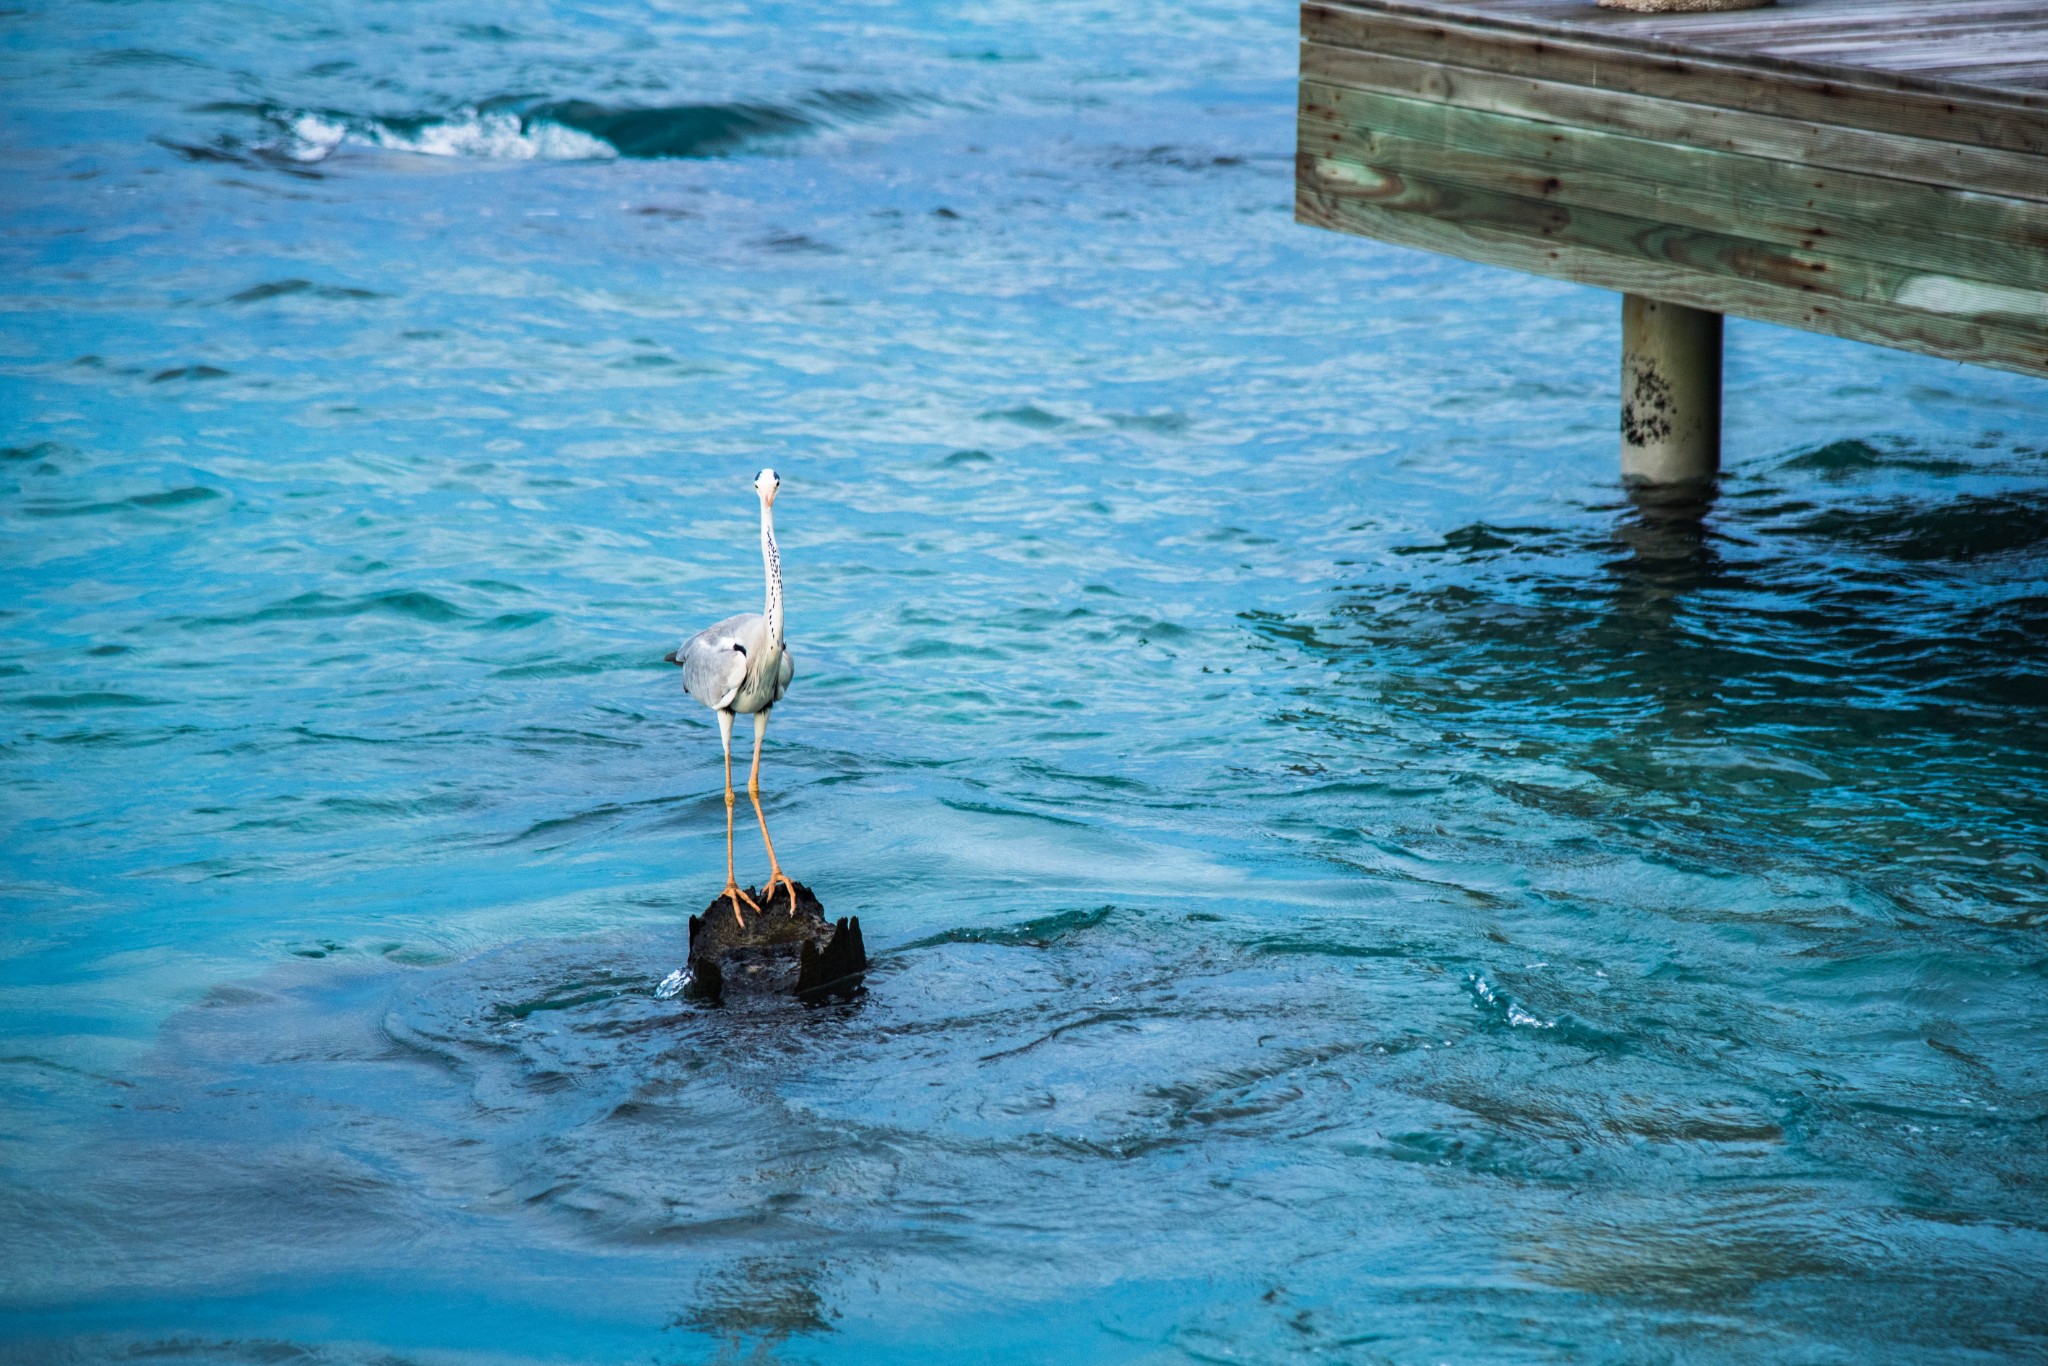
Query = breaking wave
x=579 y=130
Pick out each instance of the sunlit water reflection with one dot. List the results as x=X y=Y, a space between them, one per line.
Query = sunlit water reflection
x=1347 y=883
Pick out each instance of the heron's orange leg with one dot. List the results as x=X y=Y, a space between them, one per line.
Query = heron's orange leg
x=732 y=886
x=775 y=873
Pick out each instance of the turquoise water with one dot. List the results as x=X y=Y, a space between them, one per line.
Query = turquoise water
x=1348 y=884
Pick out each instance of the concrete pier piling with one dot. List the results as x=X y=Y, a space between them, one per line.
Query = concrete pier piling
x=1670 y=392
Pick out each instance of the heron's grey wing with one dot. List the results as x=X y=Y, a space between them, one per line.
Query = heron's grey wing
x=715 y=660
x=784 y=672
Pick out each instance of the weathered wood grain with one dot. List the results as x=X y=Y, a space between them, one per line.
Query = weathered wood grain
x=1699 y=80
x=1846 y=23
x=1685 y=36
x=2004 y=241
x=1780 y=165
x=1698 y=251
x=1787 y=16
x=1900 y=53
x=2027 y=72
x=1957 y=165
x=1959 y=57
x=1838 y=41
x=1955 y=337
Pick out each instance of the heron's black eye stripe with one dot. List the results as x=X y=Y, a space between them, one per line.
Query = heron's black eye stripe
x=737 y=646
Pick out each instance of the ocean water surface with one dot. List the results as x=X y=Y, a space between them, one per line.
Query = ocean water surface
x=1347 y=883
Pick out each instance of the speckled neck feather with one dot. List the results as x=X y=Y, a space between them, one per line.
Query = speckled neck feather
x=771 y=562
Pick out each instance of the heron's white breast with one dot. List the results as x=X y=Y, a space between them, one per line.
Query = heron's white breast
x=759 y=689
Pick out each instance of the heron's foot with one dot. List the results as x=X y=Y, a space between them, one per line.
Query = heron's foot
x=768 y=892
x=733 y=892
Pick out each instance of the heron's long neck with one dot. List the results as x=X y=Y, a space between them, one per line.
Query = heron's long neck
x=771 y=561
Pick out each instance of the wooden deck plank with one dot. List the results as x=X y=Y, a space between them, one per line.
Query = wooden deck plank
x=1619 y=33
x=1894 y=53
x=1999 y=241
x=1871 y=35
x=1919 y=114
x=1736 y=27
x=1854 y=47
x=1913 y=58
x=1785 y=16
x=2033 y=74
x=1890 y=51
x=1839 y=280
x=1838 y=147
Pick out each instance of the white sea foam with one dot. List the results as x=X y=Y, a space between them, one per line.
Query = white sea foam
x=1508 y=1006
x=314 y=137
x=496 y=136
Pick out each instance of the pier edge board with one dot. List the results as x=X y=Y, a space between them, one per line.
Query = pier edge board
x=2016 y=175
x=1634 y=39
x=1998 y=241
x=1698 y=79
x=1839 y=281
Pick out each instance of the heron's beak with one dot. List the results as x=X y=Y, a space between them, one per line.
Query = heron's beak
x=670 y=658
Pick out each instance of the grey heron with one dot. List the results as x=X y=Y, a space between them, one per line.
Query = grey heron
x=741 y=665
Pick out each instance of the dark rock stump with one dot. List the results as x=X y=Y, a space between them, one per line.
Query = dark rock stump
x=777 y=952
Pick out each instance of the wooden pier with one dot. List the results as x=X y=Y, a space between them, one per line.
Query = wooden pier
x=1874 y=169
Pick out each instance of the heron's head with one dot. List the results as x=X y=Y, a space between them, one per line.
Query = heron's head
x=765 y=484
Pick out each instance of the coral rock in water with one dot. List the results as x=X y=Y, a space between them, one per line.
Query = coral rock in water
x=776 y=952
